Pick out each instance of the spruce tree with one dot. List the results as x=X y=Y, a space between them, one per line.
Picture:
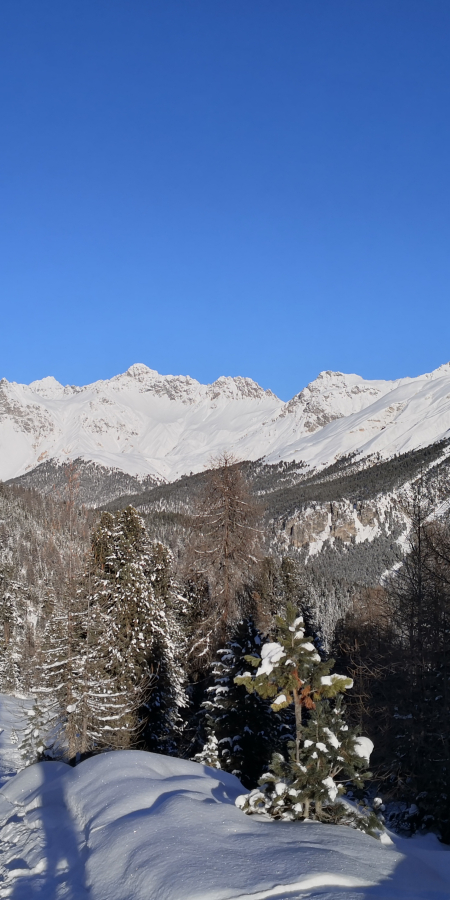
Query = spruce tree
x=130 y=684
x=325 y=751
x=242 y=730
x=419 y=597
x=161 y=722
x=54 y=698
x=10 y=634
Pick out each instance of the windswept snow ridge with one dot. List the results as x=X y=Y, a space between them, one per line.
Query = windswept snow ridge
x=143 y=423
x=139 y=826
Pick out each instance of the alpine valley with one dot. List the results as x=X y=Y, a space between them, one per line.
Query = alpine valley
x=333 y=467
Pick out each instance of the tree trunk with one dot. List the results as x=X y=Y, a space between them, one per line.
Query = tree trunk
x=298 y=724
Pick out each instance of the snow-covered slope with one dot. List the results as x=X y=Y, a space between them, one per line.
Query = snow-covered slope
x=137 y=826
x=144 y=423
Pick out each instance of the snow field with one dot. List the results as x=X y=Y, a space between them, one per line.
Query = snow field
x=138 y=826
x=145 y=423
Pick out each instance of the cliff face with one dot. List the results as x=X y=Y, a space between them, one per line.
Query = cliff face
x=347 y=522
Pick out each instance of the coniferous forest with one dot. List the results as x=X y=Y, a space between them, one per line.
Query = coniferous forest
x=192 y=635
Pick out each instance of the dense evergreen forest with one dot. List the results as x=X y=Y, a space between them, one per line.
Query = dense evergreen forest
x=177 y=620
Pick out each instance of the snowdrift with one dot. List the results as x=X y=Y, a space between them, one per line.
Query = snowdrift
x=138 y=826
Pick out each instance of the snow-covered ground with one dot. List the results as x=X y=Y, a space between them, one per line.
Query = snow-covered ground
x=144 y=423
x=138 y=826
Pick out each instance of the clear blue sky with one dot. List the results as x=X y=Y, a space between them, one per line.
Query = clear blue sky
x=255 y=187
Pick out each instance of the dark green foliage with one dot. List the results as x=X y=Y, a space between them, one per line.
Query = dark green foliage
x=242 y=729
x=346 y=565
x=347 y=480
x=420 y=595
x=161 y=723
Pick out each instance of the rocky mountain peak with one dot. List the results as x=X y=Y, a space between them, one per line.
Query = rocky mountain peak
x=140 y=370
x=47 y=387
x=237 y=388
x=333 y=395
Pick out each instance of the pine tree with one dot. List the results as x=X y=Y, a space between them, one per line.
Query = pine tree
x=43 y=737
x=291 y=672
x=161 y=722
x=130 y=683
x=55 y=678
x=242 y=730
x=40 y=553
x=11 y=636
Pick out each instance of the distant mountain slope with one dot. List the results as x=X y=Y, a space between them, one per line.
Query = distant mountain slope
x=93 y=485
x=145 y=424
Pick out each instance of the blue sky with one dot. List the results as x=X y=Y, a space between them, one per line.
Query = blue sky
x=224 y=187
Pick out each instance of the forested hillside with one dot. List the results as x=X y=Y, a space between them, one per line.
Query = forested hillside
x=133 y=625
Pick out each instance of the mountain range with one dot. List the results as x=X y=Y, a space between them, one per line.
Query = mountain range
x=161 y=427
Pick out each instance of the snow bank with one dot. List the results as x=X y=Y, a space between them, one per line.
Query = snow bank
x=138 y=826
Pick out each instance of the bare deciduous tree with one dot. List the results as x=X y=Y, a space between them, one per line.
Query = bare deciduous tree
x=223 y=551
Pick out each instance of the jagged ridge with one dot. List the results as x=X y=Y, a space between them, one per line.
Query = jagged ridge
x=146 y=424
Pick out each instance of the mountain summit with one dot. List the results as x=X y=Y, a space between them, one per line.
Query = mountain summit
x=144 y=423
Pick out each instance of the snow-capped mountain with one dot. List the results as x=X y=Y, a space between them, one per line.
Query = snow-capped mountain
x=144 y=423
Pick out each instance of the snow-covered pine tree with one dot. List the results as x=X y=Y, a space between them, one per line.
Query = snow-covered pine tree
x=41 y=547
x=290 y=671
x=242 y=729
x=10 y=634
x=130 y=681
x=160 y=716
x=117 y=629
x=57 y=667
x=42 y=738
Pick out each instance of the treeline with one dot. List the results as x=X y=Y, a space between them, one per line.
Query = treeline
x=285 y=488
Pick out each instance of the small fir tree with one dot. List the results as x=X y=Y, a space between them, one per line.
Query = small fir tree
x=291 y=672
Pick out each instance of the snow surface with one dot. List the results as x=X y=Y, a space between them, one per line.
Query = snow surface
x=138 y=826
x=271 y=653
x=364 y=747
x=165 y=425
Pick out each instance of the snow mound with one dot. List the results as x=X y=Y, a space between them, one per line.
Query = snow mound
x=137 y=826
